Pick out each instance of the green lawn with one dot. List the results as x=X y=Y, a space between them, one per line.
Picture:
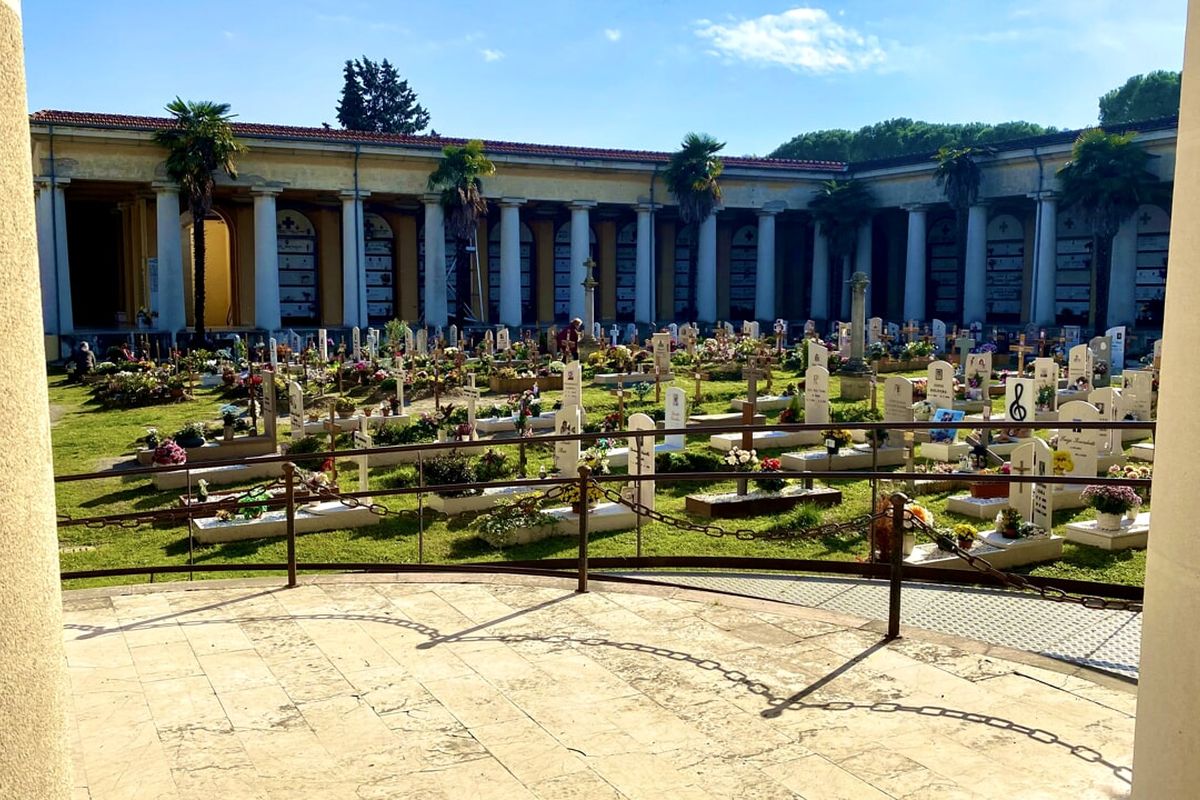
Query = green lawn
x=87 y=438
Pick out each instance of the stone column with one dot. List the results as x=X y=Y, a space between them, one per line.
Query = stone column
x=764 y=276
x=975 y=272
x=53 y=261
x=1045 y=264
x=856 y=382
x=819 y=304
x=643 y=311
x=172 y=315
x=354 y=260
x=266 y=259
x=510 y=261
x=581 y=251
x=706 y=270
x=435 y=262
x=863 y=256
x=34 y=742
x=1167 y=731
x=914 y=269
x=1122 y=300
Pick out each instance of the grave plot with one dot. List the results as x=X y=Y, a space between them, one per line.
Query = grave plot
x=467 y=504
x=1142 y=451
x=676 y=415
x=1132 y=533
x=816 y=410
x=995 y=549
x=1091 y=450
x=757 y=502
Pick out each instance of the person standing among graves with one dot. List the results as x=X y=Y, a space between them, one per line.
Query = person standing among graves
x=85 y=360
x=126 y=353
x=568 y=340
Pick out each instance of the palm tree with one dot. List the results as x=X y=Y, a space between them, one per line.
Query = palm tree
x=199 y=145
x=457 y=179
x=1105 y=181
x=841 y=208
x=691 y=177
x=959 y=175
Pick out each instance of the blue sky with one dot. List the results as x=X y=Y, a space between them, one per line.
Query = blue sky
x=621 y=73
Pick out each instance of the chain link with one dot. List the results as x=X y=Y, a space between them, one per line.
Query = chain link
x=1012 y=580
x=183 y=513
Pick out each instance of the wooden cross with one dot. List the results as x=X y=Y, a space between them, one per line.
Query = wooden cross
x=332 y=427
x=1021 y=349
x=910 y=330
x=657 y=384
x=886 y=338
x=620 y=406
x=698 y=375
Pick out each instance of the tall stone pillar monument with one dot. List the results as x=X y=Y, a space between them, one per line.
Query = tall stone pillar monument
x=34 y=747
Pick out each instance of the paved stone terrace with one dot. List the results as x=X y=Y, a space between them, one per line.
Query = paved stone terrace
x=516 y=687
x=1102 y=639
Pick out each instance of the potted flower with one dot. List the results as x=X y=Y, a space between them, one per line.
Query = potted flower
x=770 y=467
x=168 y=453
x=836 y=438
x=1062 y=462
x=229 y=416
x=794 y=411
x=1008 y=523
x=190 y=435
x=344 y=407
x=1045 y=398
x=742 y=460
x=1110 y=503
x=964 y=535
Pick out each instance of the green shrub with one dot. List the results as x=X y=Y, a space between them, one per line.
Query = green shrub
x=304 y=446
x=493 y=465
x=450 y=468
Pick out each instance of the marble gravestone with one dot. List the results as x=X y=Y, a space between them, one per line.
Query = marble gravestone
x=573 y=385
x=566 y=454
x=844 y=339
x=453 y=336
x=423 y=342
x=816 y=395
x=1138 y=396
x=1101 y=361
x=818 y=354
x=1117 y=336
x=673 y=330
x=661 y=345
x=631 y=333
x=409 y=340
x=940 y=389
x=356 y=343
x=502 y=340
x=810 y=327
x=1072 y=336
x=1020 y=495
x=641 y=459
x=1082 y=443
x=1108 y=404
x=1020 y=401
x=980 y=364
x=273 y=346
x=676 y=417
x=1045 y=373
x=1079 y=365
x=897 y=399
x=323 y=344
x=874 y=330
x=939 y=335
x=296 y=409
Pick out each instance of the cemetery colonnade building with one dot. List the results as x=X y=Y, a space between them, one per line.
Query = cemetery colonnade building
x=329 y=228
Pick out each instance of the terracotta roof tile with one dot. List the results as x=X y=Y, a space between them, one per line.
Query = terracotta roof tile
x=260 y=131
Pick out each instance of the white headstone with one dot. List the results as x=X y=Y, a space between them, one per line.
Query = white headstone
x=454 y=336
x=1041 y=495
x=673 y=330
x=502 y=340
x=409 y=342
x=874 y=329
x=1045 y=373
x=273 y=347
x=893 y=330
x=630 y=333
x=362 y=441
x=323 y=344
x=844 y=339
x=1079 y=365
x=939 y=335
x=810 y=327
x=1138 y=396
x=356 y=342
x=940 y=389
x=816 y=395
x=1020 y=495
x=897 y=399
x=489 y=343
x=1072 y=335
x=573 y=385
x=1117 y=337
x=597 y=331
x=1108 y=403
x=296 y=409
x=1102 y=360
x=614 y=335
x=1157 y=354
x=980 y=365
x=676 y=400
x=641 y=459
x=818 y=354
x=1083 y=444
x=423 y=341
x=1020 y=400
x=661 y=343
x=269 y=409
x=372 y=343
x=566 y=454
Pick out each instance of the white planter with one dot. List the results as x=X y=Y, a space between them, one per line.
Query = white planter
x=909 y=544
x=1108 y=522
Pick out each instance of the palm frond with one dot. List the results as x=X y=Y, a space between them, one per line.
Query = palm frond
x=692 y=176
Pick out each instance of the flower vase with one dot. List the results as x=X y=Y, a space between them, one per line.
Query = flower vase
x=1108 y=523
x=1010 y=533
x=1131 y=514
x=229 y=433
x=908 y=544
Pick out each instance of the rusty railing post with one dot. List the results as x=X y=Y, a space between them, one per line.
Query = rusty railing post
x=897 y=557
x=289 y=476
x=583 y=530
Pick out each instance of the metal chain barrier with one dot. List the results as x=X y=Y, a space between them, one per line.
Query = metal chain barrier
x=170 y=514
x=744 y=534
x=1012 y=580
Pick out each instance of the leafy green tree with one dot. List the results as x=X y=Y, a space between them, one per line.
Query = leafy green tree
x=458 y=180
x=199 y=145
x=692 y=177
x=375 y=99
x=1105 y=181
x=1149 y=96
x=841 y=208
x=901 y=137
x=959 y=175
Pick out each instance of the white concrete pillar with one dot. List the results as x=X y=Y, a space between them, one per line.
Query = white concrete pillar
x=975 y=271
x=53 y=261
x=435 y=262
x=706 y=270
x=1045 y=265
x=581 y=251
x=35 y=758
x=914 y=268
x=1122 y=286
x=1167 y=730
x=354 y=260
x=266 y=259
x=819 y=303
x=764 y=276
x=510 y=261
x=643 y=293
x=863 y=257
x=172 y=313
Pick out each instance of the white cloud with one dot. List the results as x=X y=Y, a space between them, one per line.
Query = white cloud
x=801 y=39
x=612 y=34
x=491 y=55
